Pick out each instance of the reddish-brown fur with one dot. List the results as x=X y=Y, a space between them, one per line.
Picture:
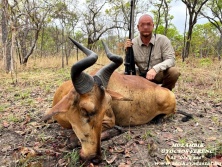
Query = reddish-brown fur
x=95 y=111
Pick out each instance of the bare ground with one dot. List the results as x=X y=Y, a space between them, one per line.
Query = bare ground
x=25 y=141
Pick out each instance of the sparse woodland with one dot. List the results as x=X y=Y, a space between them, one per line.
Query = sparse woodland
x=41 y=28
x=36 y=56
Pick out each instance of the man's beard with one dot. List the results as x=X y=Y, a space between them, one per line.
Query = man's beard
x=146 y=35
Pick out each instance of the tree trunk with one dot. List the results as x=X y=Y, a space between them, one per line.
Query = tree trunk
x=90 y=43
x=5 y=41
x=158 y=16
x=219 y=47
x=77 y=54
x=187 y=46
x=133 y=16
x=26 y=57
x=66 y=52
x=23 y=36
x=13 y=68
x=63 y=47
x=18 y=51
x=42 y=41
x=13 y=48
x=194 y=8
x=184 y=38
x=57 y=38
x=166 y=13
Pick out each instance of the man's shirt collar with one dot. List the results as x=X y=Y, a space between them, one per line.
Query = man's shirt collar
x=152 y=41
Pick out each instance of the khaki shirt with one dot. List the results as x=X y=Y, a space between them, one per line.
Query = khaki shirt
x=162 y=56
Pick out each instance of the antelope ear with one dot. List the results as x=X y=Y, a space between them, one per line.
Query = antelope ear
x=50 y=113
x=61 y=107
x=117 y=96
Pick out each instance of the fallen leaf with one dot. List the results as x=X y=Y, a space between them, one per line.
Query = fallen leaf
x=6 y=148
x=167 y=136
x=5 y=124
x=212 y=138
x=141 y=142
x=111 y=150
x=91 y=165
x=37 y=144
x=27 y=152
x=50 y=152
x=112 y=159
x=34 y=164
x=193 y=104
x=128 y=162
x=39 y=99
x=62 y=162
x=36 y=125
x=127 y=155
x=200 y=100
x=121 y=150
x=27 y=120
x=127 y=150
x=179 y=129
x=218 y=104
x=20 y=132
x=122 y=164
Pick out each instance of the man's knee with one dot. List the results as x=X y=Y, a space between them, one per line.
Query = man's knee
x=171 y=76
x=173 y=72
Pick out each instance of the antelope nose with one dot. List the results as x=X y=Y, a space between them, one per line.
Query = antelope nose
x=96 y=159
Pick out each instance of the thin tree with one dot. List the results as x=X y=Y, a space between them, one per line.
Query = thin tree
x=161 y=14
x=166 y=15
x=158 y=14
x=215 y=6
x=5 y=38
x=35 y=16
x=194 y=7
x=96 y=22
x=184 y=37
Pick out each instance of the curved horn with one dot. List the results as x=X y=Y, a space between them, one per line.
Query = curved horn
x=83 y=82
x=105 y=72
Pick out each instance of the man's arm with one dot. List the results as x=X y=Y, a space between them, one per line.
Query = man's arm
x=168 y=56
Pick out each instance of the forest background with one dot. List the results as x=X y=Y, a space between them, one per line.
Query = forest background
x=41 y=28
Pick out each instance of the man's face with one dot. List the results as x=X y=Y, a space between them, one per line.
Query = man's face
x=145 y=26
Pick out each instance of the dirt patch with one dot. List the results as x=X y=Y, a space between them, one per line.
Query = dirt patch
x=26 y=141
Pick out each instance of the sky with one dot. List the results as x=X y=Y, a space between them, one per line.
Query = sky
x=178 y=10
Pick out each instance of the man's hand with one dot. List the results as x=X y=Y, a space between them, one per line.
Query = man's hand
x=128 y=44
x=150 y=75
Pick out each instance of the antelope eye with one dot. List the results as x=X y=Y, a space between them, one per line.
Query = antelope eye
x=86 y=113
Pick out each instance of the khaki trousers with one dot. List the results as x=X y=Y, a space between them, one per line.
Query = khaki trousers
x=167 y=78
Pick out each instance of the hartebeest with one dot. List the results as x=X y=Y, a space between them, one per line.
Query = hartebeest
x=84 y=104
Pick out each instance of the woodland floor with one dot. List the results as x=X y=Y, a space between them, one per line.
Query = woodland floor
x=25 y=141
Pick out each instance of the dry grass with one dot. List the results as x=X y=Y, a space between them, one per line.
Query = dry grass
x=45 y=68
x=198 y=76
